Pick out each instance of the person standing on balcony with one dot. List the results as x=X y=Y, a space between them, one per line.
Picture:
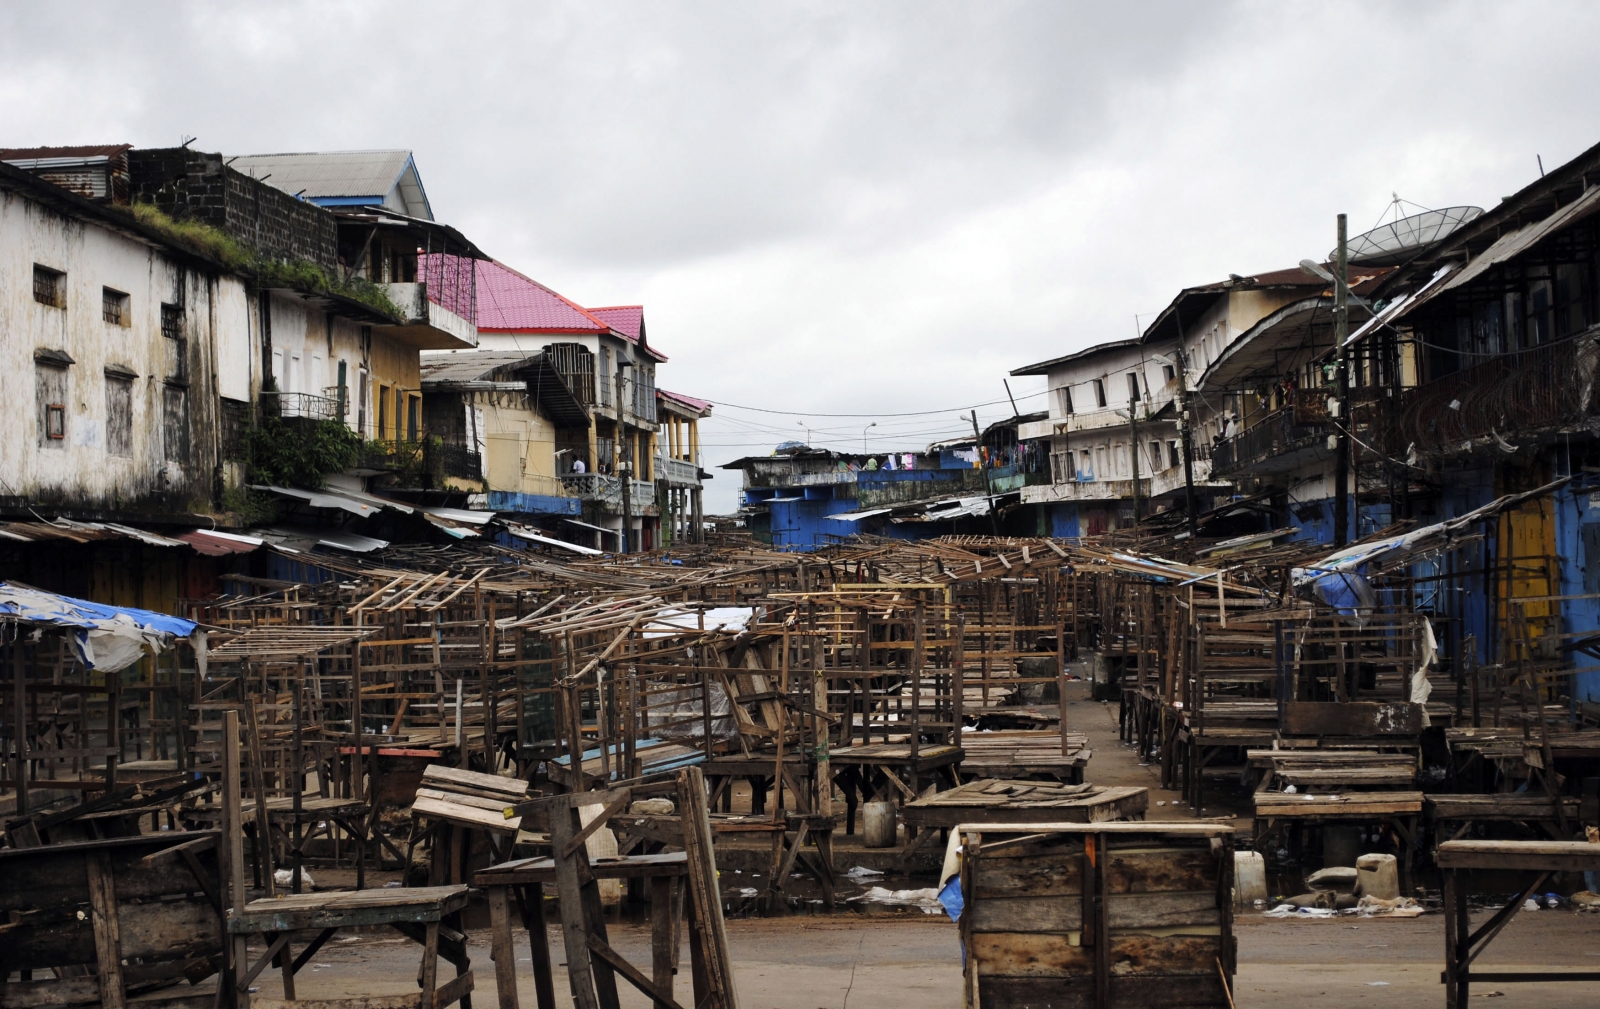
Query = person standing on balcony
x=579 y=467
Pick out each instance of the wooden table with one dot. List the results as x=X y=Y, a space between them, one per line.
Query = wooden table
x=322 y=812
x=868 y=769
x=1507 y=807
x=1000 y=801
x=523 y=881
x=1401 y=810
x=1461 y=944
x=418 y=913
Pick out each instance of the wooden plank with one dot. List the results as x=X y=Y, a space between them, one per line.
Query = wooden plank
x=1133 y=992
x=512 y=788
x=457 y=813
x=1556 y=856
x=1030 y=954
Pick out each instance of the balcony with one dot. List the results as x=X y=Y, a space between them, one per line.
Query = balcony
x=607 y=491
x=1276 y=443
x=1512 y=397
x=677 y=472
x=308 y=406
x=428 y=325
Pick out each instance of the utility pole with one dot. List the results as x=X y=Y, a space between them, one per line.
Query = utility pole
x=1133 y=453
x=624 y=467
x=1341 y=326
x=1185 y=433
x=988 y=483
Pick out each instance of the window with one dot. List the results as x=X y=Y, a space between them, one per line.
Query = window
x=50 y=388
x=1086 y=471
x=1173 y=454
x=1133 y=387
x=605 y=376
x=172 y=329
x=1063 y=397
x=361 y=403
x=1157 y=456
x=1168 y=372
x=383 y=412
x=175 y=423
x=343 y=389
x=1540 y=306
x=114 y=307
x=49 y=286
x=1100 y=393
x=1572 y=298
x=413 y=418
x=119 y=414
x=171 y=322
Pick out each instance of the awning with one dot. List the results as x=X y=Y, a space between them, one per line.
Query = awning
x=303 y=540
x=858 y=516
x=590 y=525
x=106 y=638
x=341 y=500
x=534 y=535
x=213 y=543
x=1404 y=304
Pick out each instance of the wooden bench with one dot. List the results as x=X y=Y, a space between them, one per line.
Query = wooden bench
x=418 y=913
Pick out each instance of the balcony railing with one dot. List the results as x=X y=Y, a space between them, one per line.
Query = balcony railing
x=677 y=472
x=304 y=404
x=1546 y=388
x=1274 y=435
x=607 y=489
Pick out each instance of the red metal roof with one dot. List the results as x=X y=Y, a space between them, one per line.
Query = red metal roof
x=627 y=320
x=698 y=405
x=511 y=302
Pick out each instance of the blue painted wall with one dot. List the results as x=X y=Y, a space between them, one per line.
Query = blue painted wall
x=534 y=504
x=1580 y=572
x=1064 y=520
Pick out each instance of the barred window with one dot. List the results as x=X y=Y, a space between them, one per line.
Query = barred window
x=172 y=322
x=114 y=306
x=49 y=286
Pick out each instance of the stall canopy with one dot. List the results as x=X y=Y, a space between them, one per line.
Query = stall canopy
x=106 y=638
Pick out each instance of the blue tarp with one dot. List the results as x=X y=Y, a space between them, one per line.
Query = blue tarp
x=106 y=637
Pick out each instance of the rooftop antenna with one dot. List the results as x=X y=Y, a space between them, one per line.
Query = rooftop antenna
x=1014 y=411
x=1541 y=165
x=189 y=140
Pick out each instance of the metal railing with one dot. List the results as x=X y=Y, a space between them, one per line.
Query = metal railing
x=677 y=472
x=303 y=404
x=1273 y=435
x=607 y=489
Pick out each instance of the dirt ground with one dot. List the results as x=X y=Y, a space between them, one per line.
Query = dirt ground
x=912 y=960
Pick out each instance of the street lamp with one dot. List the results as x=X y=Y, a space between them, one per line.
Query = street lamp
x=864 y=431
x=808 y=431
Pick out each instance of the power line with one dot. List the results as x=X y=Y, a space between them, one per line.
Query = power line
x=911 y=413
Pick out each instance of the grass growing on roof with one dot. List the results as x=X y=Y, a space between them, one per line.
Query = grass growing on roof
x=298 y=274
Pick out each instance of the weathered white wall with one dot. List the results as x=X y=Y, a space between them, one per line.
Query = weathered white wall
x=78 y=471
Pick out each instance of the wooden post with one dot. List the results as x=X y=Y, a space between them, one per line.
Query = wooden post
x=20 y=719
x=107 y=929
x=233 y=850
x=259 y=786
x=663 y=947
x=501 y=949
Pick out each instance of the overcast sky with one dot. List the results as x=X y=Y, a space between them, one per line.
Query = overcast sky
x=848 y=208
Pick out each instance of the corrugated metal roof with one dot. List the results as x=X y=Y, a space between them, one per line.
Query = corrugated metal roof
x=474 y=365
x=56 y=154
x=341 y=176
x=509 y=301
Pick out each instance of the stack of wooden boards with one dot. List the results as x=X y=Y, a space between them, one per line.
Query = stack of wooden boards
x=1013 y=753
x=1114 y=915
x=453 y=804
x=1000 y=801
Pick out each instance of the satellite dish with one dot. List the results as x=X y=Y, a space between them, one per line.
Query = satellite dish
x=1400 y=239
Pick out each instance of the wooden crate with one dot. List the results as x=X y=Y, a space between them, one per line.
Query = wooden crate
x=1097 y=916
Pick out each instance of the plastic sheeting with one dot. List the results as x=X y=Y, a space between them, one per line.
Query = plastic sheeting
x=106 y=638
